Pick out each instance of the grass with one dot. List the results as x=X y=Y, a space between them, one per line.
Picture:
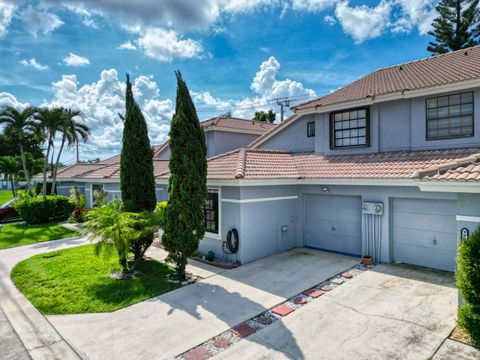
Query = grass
x=5 y=195
x=22 y=234
x=74 y=281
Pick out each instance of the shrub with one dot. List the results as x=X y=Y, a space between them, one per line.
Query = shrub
x=78 y=200
x=468 y=283
x=38 y=210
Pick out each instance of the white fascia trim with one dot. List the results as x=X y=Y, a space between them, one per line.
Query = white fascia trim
x=449 y=186
x=67 y=187
x=358 y=182
x=246 y=201
x=278 y=128
x=468 y=218
x=87 y=180
x=233 y=130
x=407 y=94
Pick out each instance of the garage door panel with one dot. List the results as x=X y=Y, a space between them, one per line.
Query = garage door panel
x=416 y=223
x=425 y=222
x=333 y=223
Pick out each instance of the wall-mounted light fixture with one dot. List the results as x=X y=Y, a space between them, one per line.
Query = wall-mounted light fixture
x=325 y=189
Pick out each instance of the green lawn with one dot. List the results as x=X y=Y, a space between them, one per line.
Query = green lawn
x=22 y=234
x=5 y=195
x=76 y=281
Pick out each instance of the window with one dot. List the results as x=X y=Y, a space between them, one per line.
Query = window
x=349 y=128
x=450 y=117
x=311 y=129
x=211 y=211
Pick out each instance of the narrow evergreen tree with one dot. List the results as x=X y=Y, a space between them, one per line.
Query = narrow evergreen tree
x=456 y=27
x=184 y=216
x=137 y=181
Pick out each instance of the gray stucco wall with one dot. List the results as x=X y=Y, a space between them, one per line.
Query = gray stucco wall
x=394 y=125
x=222 y=142
x=468 y=206
x=164 y=155
x=294 y=138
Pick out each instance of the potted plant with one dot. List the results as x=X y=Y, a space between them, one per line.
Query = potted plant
x=367 y=260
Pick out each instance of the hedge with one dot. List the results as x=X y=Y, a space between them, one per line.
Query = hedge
x=468 y=283
x=38 y=210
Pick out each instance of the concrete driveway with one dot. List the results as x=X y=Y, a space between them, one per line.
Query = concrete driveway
x=172 y=323
x=390 y=312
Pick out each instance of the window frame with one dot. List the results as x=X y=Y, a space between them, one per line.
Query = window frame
x=367 y=129
x=429 y=138
x=218 y=220
x=310 y=123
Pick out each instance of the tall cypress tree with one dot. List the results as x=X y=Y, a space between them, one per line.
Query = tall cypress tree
x=137 y=181
x=187 y=185
x=456 y=27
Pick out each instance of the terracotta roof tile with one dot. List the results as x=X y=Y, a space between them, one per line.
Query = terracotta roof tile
x=437 y=70
x=256 y=164
x=237 y=123
x=463 y=169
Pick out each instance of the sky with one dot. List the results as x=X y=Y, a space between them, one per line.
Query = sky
x=237 y=56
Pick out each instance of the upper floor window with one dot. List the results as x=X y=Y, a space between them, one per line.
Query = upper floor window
x=211 y=211
x=310 y=129
x=450 y=117
x=349 y=128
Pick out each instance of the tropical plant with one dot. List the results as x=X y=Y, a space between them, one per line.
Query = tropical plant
x=73 y=131
x=456 y=27
x=263 y=116
x=468 y=283
x=112 y=229
x=137 y=181
x=10 y=168
x=147 y=224
x=78 y=200
x=19 y=124
x=184 y=214
x=50 y=123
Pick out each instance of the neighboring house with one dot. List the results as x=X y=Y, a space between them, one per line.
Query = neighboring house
x=388 y=165
x=222 y=134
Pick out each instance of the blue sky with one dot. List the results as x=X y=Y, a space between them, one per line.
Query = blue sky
x=236 y=55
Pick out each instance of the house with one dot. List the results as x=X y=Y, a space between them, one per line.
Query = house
x=387 y=166
x=222 y=134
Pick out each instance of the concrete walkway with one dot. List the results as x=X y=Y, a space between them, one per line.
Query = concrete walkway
x=172 y=323
x=11 y=347
x=390 y=312
x=39 y=337
x=452 y=349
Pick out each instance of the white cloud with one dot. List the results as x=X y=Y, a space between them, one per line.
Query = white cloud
x=7 y=99
x=414 y=13
x=164 y=45
x=33 y=64
x=266 y=88
x=40 y=21
x=363 y=22
x=103 y=100
x=7 y=10
x=330 y=20
x=127 y=46
x=313 y=5
x=76 y=60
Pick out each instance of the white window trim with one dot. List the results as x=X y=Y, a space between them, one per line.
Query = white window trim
x=211 y=235
x=246 y=201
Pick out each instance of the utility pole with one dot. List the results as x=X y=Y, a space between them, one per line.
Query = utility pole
x=283 y=103
x=78 y=153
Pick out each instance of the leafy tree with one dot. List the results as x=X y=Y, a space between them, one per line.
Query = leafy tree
x=9 y=145
x=456 y=27
x=73 y=132
x=19 y=123
x=184 y=216
x=137 y=181
x=50 y=123
x=468 y=283
x=263 y=116
x=113 y=229
x=10 y=168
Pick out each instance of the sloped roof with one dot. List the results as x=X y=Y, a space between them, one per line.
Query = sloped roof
x=463 y=169
x=233 y=123
x=457 y=66
x=254 y=164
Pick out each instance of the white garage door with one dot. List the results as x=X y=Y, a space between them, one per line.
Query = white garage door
x=334 y=223
x=424 y=233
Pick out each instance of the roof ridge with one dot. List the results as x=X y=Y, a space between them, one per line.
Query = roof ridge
x=241 y=163
x=442 y=168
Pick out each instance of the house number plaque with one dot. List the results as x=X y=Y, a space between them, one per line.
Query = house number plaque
x=464 y=233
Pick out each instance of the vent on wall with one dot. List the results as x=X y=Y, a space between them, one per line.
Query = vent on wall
x=372 y=220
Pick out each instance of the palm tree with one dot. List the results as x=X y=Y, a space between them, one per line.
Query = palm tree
x=20 y=123
x=73 y=132
x=10 y=167
x=50 y=123
x=113 y=229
